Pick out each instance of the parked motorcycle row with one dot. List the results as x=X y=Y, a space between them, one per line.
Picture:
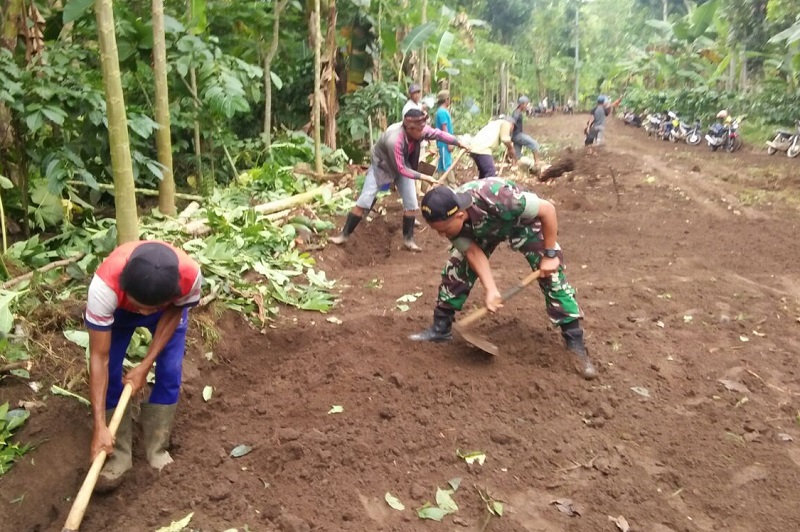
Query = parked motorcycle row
x=668 y=127
x=722 y=134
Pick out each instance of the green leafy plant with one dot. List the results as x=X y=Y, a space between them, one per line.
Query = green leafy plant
x=11 y=420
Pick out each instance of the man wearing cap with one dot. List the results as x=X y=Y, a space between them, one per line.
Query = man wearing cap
x=484 y=143
x=414 y=97
x=476 y=219
x=597 y=121
x=395 y=158
x=444 y=122
x=518 y=136
x=141 y=284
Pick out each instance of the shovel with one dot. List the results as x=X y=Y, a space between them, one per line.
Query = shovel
x=78 y=509
x=472 y=338
x=456 y=159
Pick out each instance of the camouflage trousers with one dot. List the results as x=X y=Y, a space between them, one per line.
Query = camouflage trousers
x=458 y=277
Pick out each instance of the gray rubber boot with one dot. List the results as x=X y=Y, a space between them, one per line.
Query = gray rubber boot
x=120 y=461
x=440 y=331
x=573 y=337
x=157 y=427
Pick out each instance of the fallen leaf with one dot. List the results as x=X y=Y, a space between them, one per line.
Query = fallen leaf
x=334 y=319
x=394 y=502
x=660 y=323
x=621 y=523
x=742 y=401
x=209 y=355
x=241 y=450
x=687 y=319
x=497 y=508
x=57 y=390
x=744 y=338
x=784 y=437
x=431 y=512
x=472 y=457
x=409 y=298
x=177 y=526
x=566 y=506
x=734 y=386
x=454 y=483
x=207 y=392
x=403 y=308
x=460 y=521
x=445 y=501
x=336 y=409
x=644 y=392
x=760 y=334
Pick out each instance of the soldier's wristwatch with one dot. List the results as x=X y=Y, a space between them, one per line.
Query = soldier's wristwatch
x=550 y=253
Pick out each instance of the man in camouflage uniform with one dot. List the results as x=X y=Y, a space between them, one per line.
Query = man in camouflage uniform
x=476 y=218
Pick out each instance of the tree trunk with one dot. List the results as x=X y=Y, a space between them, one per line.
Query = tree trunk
x=124 y=197
x=331 y=96
x=315 y=108
x=503 y=92
x=166 y=188
x=12 y=22
x=422 y=51
x=273 y=49
x=665 y=7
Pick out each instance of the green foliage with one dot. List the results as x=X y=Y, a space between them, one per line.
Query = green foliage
x=369 y=101
x=11 y=420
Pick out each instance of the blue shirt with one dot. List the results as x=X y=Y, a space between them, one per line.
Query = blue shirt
x=442 y=118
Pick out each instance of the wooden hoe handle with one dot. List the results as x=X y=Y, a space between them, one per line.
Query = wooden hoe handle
x=85 y=493
x=452 y=166
x=481 y=312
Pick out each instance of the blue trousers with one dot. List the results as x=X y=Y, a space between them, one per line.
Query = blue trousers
x=169 y=362
x=445 y=157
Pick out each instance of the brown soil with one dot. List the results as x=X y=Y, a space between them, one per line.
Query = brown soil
x=674 y=268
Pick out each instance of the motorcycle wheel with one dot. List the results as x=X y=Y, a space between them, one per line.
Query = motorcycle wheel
x=771 y=150
x=735 y=144
x=793 y=151
x=714 y=147
x=693 y=140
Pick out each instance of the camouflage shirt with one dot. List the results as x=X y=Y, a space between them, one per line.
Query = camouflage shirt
x=498 y=207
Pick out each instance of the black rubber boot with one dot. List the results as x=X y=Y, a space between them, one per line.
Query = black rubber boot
x=573 y=337
x=349 y=226
x=408 y=233
x=440 y=331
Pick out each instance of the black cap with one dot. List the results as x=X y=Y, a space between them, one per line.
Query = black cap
x=151 y=274
x=440 y=203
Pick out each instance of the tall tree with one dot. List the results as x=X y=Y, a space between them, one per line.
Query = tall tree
x=166 y=188
x=124 y=196
x=329 y=78
x=268 y=57
x=317 y=94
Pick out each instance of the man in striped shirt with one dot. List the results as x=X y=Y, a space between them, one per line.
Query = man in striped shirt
x=141 y=284
x=395 y=158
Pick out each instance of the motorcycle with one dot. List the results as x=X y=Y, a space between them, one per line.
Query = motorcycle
x=652 y=124
x=785 y=141
x=679 y=131
x=693 y=135
x=724 y=136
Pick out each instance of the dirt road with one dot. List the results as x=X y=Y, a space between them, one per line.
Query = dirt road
x=688 y=274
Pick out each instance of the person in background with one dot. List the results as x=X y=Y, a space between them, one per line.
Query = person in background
x=395 y=159
x=597 y=122
x=518 y=136
x=414 y=99
x=484 y=143
x=444 y=122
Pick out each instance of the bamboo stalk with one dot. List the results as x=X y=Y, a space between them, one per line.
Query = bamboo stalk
x=46 y=268
x=285 y=203
x=142 y=191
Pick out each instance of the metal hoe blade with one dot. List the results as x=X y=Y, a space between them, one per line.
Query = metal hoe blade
x=476 y=340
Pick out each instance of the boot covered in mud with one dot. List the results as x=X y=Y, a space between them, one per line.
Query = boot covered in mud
x=440 y=331
x=408 y=233
x=120 y=461
x=573 y=337
x=157 y=427
x=349 y=226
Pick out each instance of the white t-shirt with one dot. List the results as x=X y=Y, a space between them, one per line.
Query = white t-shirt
x=410 y=104
x=489 y=137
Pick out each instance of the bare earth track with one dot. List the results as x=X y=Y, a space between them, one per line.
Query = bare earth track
x=688 y=274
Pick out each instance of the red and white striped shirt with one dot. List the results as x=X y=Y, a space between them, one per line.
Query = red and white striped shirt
x=106 y=296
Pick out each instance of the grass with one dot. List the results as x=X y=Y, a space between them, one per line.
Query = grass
x=756 y=133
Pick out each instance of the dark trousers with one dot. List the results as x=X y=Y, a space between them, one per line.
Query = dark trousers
x=485 y=164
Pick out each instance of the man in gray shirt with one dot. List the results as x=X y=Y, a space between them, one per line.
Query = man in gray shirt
x=597 y=122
